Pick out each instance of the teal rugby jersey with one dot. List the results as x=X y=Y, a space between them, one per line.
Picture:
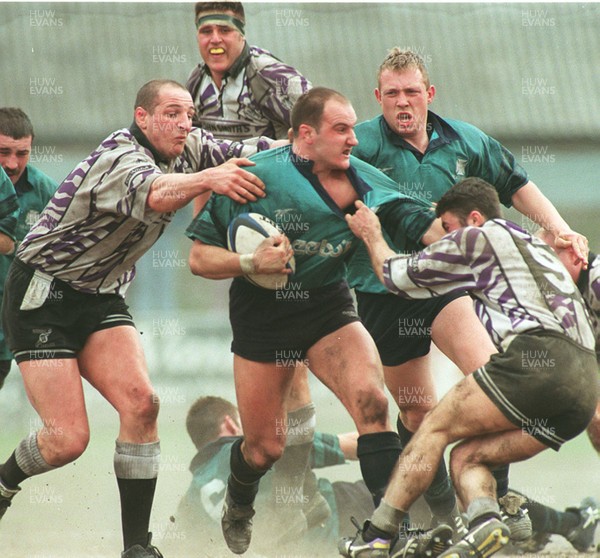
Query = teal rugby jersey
x=304 y=211
x=203 y=502
x=456 y=151
x=34 y=190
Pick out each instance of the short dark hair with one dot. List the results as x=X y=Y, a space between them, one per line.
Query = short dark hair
x=217 y=7
x=14 y=123
x=470 y=194
x=205 y=417
x=147 y=96
x=308 y=109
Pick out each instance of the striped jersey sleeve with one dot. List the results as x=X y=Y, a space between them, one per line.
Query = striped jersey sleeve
x=517 y=281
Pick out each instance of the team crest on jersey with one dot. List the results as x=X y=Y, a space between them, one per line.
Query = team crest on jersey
x=461 y=167
x=31 y=217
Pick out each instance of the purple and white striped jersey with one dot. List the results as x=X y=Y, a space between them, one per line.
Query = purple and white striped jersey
x=97 y=224
x=589 y=286
x=255 y=99
x=518 y=283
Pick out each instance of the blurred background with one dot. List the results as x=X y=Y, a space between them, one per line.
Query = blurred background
x=526 y=73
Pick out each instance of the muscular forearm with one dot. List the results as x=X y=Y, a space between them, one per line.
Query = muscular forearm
x=379 y=251
x=213 y=262
x=171 y=192
x=530 y=201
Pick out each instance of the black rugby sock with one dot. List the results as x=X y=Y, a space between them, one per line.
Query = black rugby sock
x=501 y=476
x=243 y=481
x=378 y=454
x=11 y=474
x=548 y=520
x=136 y=504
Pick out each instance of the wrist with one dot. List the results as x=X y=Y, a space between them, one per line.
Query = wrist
x=247 y=264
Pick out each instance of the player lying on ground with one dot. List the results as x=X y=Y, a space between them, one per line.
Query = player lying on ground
x=213 y=424
x=507 y=410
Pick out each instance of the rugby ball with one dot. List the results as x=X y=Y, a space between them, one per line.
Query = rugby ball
x=244 y=234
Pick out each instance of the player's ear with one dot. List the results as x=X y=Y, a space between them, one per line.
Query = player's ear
x=141 y=117
x=430 y=93
x=378 y=95
x=476 y=218
x=306 y=132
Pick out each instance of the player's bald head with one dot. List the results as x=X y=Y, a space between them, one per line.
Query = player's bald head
x=309 y=107
x=149 y=94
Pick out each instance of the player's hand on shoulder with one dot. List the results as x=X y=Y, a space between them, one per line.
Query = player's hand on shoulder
x=231 y=180
x=575 y=240
x=272 y=255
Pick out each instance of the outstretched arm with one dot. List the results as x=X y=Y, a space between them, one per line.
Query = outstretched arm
x=530 y=201
x=170 y=192
x=366 y=226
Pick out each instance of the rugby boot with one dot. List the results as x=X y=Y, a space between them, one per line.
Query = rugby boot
x=454 y=520
x=357 y=547
x=582 y=536
x=515 y=517
x=424 y=544
x=236 y=524
x=139 y=551
x=482 y=541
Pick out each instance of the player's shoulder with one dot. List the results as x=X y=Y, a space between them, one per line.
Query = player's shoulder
x=370 y=173
x=465 y=130
x=369 y=130
x=261 y=58
x=40 y=180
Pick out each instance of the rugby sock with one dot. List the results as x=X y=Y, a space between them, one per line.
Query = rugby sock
x=11 y=475
x=26 y=461
x=440 y=495
x=548 y=520
x=482 y=509
x=136 y=469
x=289 y=471
x=501 y=476
x=377 y=454
x=242 y=484
x=385 y=522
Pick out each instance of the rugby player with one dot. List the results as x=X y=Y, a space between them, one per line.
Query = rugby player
x=213 y=424
x=316 y=180
x=425 y=155
x=508 y=409
x=65 y=316
x=33 y=188
x=239 y=91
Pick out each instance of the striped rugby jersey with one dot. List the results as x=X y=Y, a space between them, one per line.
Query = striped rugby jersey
x=518 y=283
x=255 y=99
x=97 y=224
x=589 y=286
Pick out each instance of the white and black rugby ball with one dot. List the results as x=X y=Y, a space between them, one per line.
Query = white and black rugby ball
x=244 y=234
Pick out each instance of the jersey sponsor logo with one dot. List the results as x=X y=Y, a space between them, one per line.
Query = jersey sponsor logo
x=322 y=248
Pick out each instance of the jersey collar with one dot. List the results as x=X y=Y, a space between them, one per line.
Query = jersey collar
x=145 y=142
x=23 y=185
x=305 y=167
